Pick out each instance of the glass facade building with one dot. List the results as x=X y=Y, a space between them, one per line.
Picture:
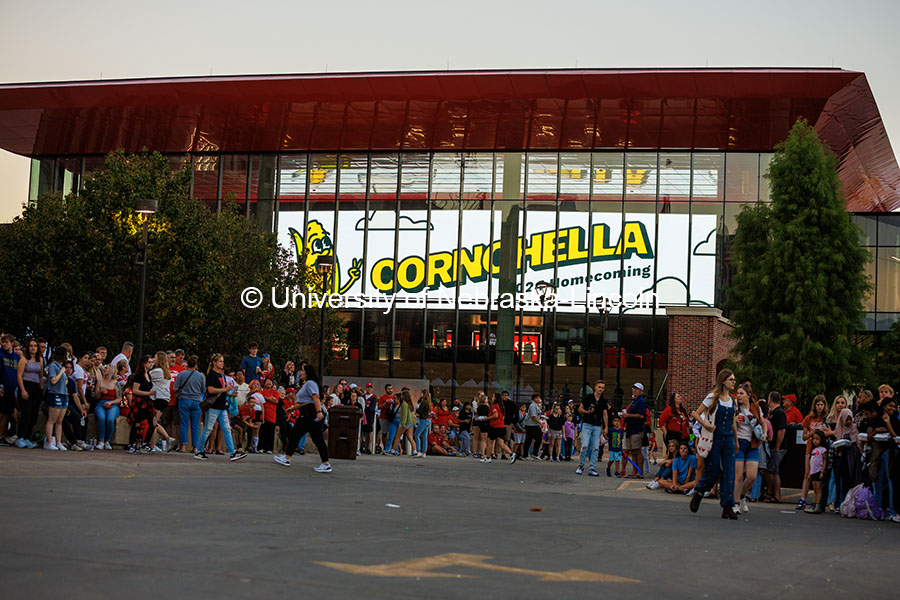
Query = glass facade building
x=523 y=230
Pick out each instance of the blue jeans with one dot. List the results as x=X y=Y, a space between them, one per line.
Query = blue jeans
x=106 y=420
x=757 y=486
x=883 y=483
x=590 y=443
x=213 y=415
x=719 y=461
x=301 y=445
x=189 y=414
x=420 y=435
x=832 y=486
x=464 y=442
x=392 y=431
x=664 y=473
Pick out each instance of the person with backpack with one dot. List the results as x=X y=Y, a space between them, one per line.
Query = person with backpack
x=217 y=389
x=716 y=415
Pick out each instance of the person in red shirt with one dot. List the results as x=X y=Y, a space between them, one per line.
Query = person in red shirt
x=674 y=419
x=496 y=432
x=437 y=443
x=270 y=409
x=388 y=419
x=245 y=418
x=791 y=411
x=170 y=419
x=442 y=414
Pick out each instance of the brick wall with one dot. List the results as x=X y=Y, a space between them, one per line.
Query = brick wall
x=697 y=344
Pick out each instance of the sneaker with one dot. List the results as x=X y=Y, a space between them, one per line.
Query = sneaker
x=30 y=444
x=695 y=502
x=201 y=455
x=487 y=459
x=61 y=446
x=81 y=445
x=579 y=470
x=618 y=474
x=745 y=508
x=896 y=518
x=323 y=468
x=281 y=459
x=49 y=445
x=512 y=459
x=20 y=443
x=157 y=450
x=593 y=473
x=146 y=449
x=653 y=485
x=689 y=492
x=237 y=455
x=801 y=504
x=5 y=441
x=736 y=509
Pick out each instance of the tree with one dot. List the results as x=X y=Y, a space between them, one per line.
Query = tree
x=76 y=280
x=888 y=358
x=797 y=296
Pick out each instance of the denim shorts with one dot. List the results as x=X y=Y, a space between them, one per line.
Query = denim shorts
x=58 y=401
x=615 y=456
x=745 y=453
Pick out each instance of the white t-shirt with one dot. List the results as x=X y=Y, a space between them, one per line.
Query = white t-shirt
x=160 y=383
x=744 y=419
x=116 y=360
x=708 y=402
x=242 y=391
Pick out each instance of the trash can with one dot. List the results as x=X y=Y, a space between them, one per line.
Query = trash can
x=794 y=465
x=343 y=431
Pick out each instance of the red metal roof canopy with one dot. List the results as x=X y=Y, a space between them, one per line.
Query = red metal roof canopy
x=722 y=109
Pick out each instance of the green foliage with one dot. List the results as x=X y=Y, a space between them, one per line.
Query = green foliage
x=888 y=358
x=77 y=280
x=797 y=296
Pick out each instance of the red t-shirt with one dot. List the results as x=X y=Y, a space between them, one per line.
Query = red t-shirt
x=174 y=370
x=269 y=408
x=246 y=411
x=794 y=415
x=435 y=439
x=497 y=423
x=383 y=402
x=441 y=417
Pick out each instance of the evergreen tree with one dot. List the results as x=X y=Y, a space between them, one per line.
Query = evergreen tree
x=797 y=296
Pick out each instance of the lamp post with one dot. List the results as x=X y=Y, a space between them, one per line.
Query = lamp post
x=324 y=264
x=146 y=207
x=543 y=289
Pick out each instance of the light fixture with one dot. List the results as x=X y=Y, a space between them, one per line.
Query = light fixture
x=897 y=258
x=145 y=206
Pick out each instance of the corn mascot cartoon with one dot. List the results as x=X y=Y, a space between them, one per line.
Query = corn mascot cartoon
x=318 y=243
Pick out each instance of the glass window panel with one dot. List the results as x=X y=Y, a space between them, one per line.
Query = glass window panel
x=674 y=177
x=478 y=177
x=709 y=183
x=542 y=176
x=414 y=176
x=510 y=178
x=445 y=176
x=206 y=176
x=884 y=321
x=353 y=176
x=742 y=177
x=262 y=177
x=607 y=177
x=640 y=177
x=575 y=176
x=888 y=296
x=234 y=175
x=322 y=176
x=889 y=230
x=869 y=302
x=764 y=159
x=869 y=227
x=383 y=179
x=292 y=177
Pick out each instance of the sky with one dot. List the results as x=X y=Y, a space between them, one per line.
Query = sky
x=57 y=40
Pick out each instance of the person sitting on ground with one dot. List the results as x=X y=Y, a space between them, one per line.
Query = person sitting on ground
x=437 y=442
x=684 y=472
x=665 y=465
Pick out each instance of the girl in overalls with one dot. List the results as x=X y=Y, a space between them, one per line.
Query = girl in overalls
x=716 y=414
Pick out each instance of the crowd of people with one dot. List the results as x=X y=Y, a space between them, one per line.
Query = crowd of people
x=730 y=447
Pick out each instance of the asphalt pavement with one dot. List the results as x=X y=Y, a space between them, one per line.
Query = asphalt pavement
x=113 y=525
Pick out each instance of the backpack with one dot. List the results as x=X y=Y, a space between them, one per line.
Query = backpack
x=848 y=506
x=866 y=507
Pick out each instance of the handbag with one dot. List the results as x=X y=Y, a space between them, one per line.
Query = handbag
x=704 y=444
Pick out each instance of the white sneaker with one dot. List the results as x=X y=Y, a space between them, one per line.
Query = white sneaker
x=745 y=507
x=737 y=509
x=690 y=492
x=81 y=445
x=49 y=445
x=323 y=468
x=653 y=485
x=281 y=459
x=485 y=460
x=896 y=518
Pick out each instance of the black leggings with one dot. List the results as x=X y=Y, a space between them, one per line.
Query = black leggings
x=533 y=435
x=306 y=423
x=267 y=437
x=28 y=409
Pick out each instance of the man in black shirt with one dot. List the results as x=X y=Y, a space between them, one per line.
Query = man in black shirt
x=777 y=447
x=594 y=411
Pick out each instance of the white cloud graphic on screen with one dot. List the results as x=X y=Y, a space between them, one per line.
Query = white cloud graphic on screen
x=384 y=220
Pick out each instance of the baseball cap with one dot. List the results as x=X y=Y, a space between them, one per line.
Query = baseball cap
x=265 y=356
x=353 y=386
x=290 y=390
x=639 y=386
x=369 y=384
x=454 y=408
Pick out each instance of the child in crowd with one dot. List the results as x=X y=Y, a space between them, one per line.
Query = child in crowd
x=518 y=431
x=257 y=401
x=816 y=469
x=616 y=435
x=569 y=431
